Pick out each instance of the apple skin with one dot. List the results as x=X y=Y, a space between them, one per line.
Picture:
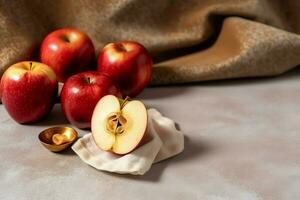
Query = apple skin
x=28 y=91
x=79 y=96
x=129 y=64
x=68 y=51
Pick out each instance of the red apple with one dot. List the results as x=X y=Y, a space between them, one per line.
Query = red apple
x=68 y=51
x=81 y=93
x=129 y=64
x=28 y=91
x=119 y=126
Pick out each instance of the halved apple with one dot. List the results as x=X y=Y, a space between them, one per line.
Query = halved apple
x=119 y=125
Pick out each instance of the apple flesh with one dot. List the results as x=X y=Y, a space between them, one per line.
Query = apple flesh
x=68 y=51
x=118 y=125
x=81 y=93
x=129 y=64
x=28 y=91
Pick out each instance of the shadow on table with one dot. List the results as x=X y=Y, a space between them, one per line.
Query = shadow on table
x=68 y=152
x=55 y=118
x=191 y=151
x=167 y=91
x=158 y=92
x=292 y=74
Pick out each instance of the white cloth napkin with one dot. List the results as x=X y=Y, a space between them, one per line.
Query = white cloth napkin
x=166 y=141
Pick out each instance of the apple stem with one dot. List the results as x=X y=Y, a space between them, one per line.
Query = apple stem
x=124 y=102
x=121 y=47
x=30 y=66
x=88 y=80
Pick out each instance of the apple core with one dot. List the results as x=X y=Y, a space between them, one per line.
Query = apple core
x=116 y=123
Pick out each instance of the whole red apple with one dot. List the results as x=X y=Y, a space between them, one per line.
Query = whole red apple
x=68 y=51
x=81 y=93
x=28 y=91
x=129 y=64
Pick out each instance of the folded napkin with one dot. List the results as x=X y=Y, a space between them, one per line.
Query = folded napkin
x=165 y=141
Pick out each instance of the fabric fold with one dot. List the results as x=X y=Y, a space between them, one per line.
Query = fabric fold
x=190 y=40
x=164 y=142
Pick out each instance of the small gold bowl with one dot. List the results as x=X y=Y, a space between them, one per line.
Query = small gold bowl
x=46 y=139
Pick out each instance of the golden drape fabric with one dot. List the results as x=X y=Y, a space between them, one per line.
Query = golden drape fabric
x=190 y=40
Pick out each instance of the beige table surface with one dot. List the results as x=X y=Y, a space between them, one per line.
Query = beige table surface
x=242 y=143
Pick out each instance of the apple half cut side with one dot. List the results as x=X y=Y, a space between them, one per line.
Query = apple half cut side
x=119 y=125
